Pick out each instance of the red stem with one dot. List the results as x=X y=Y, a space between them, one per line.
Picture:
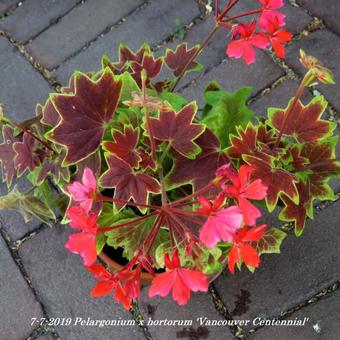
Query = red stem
x=227 y=9
x=117 y=226
x=154 y=232
x=254 y=11
x=116 y=200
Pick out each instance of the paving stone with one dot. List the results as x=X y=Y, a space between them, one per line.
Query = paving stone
x=22 y=86
x=63 y=286
x=5 y=5
x=325 y=46
x=152 y=24
x=72 y=32
x=329 y=11
x=33 y=16
x=323 y=323
x=278 y=97
x=199 y=308
x=305 y=266
x=233 y=74
x=12 y=221
x=18 y=303
x=47 y=337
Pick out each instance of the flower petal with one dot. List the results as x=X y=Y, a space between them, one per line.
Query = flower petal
x=162 y=283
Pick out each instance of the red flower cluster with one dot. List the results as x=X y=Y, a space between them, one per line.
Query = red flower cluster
x=245 y=36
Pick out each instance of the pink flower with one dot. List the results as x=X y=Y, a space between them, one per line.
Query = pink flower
x=243 y=189
x=244 y=47
x=84 y=192
x=83 y=243
x=220 y=225
x=180 y=280
x=268 y=14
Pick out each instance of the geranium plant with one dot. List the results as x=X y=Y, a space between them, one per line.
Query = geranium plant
x=173 y=190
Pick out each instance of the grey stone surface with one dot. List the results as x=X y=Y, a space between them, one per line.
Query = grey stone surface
x=47 y=336
x=325 y=46
x=22 y=86
x=5 y=5
x=33 y=16
x=152 y=24
x=327 y=10
x=233 y=74
x=323 y=323
x=278 y=97
x=199 y=308
x=63 y=285
x=71 y=33
x=18 y=303
x=305 y=266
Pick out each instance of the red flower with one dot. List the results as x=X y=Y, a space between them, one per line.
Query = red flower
x=84 y=191
x=241 y=248
x=83 y=243
x=278 y=37
x=110 y=282
x=180 y=280
x=221 y=224
x=243 y=189
x=268 y=14
x=244 y=47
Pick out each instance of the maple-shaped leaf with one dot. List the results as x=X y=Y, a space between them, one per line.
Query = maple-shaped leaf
x=48 y=112
x=178 y=129
x=304 y=123
x=275 y=178
x=85 y=114
x=323 y=166
x=26 y=156
x=201 y=170
x=298 y=212
x=225 y=111
x=146 y=160
x=127 y=183
x=270 y=242
x=92 y=162
x=177 y=60
x=249 y=140
x=124 y=145
x=7 y=154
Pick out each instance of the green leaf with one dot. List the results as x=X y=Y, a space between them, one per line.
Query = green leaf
x=28 y=205
x=227 y=111
x=161 y=250
x=174 y=99
x=270 y=242
x=129 y=85
x=101 y=241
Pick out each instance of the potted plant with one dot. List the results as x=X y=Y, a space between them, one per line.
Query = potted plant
x=165 y=193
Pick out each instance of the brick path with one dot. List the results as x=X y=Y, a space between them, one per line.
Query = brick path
x=41 y=43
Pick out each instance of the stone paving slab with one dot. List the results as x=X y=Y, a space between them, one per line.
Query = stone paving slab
x=63 y=285
x=233 y=74
x=325 y=46
x=71 y=33
x=47 y=337
x=152 y=24
x=5 y=5
x=21 y=85
x=33 y=16
x=323 y=323
x=17 y=301
x=328 y=10
x=199 y=308
x=305 y=266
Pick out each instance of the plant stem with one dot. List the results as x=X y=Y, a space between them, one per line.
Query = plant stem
x=291 y=108
x=117 y=226
x=153 y=233
x=198 y=51
x=134 y=204
x=23 y=129
x=259 y=10
x=230 y=5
